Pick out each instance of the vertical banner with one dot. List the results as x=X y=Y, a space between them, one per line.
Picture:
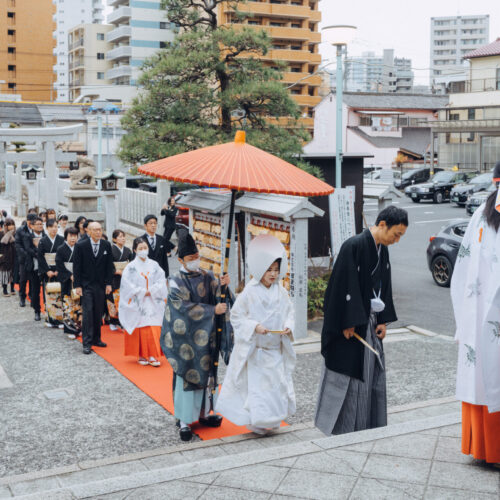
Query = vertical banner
x=342 y=220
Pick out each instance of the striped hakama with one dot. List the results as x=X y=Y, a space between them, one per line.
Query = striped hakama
x=346 y=404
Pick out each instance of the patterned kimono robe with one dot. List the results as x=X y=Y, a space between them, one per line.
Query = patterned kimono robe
x=188 y=338
x=475 y=293
x=258 y=386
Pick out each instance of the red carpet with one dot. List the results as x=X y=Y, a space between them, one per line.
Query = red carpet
x=155 y=382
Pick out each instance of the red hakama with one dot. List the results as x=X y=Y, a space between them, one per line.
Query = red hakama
x=144 y=342
x=480 y=433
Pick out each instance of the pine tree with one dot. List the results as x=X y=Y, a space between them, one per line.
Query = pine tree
x=207 y=83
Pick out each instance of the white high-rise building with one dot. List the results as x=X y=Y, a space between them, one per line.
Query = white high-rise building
x=141 y=29
x=70 y=13
x=451 y=38
x=372 y=73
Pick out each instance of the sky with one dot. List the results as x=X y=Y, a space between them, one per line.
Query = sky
x=402 y=25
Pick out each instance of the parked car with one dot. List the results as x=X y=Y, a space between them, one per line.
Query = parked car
x=461 y=192
x=134 y=181
x=477 y=199
x=439 y=187
x=415 y=176
x=148 y=186
x=443 y=250
x=377 y=176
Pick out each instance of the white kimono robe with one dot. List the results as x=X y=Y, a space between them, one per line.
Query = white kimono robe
x=135 y=310
x=475 y=293
x=258 y=386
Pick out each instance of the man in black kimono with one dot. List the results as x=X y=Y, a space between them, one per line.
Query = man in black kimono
x=358 y=300
x=157 y=245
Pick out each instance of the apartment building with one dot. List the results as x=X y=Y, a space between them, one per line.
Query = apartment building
x=70 y=13
x=87 y=64
x=139 y=30
x=452 y=38
x=379 y=73
x=26 y=57
x=467 y=132
x=293 y=28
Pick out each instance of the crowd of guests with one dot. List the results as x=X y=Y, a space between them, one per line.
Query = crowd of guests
x=76 y=272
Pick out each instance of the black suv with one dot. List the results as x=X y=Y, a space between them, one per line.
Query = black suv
x=413 y=177
x=439 y=187
x=461 y=192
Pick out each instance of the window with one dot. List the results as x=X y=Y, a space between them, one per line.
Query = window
x=11 y=32
x=471 y=114
x=12 y=67
x=296 y=25
x=12 y=86
x=163 y=26
x=498 y=78
x=11 y=50
x=100 y=75
x=163 y=45
x=100 y=36
x=276 y=25
x=454 y=116
x=100 y=55
x=11 y=15
x=254 y=23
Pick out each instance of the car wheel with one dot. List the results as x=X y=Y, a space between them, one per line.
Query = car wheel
x=438 y=197
x=442 y=270
x=415 y=200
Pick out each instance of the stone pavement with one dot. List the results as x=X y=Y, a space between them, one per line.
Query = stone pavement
x=417 y=456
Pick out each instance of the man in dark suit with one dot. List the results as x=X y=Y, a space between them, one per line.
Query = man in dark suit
x=21 y=256
x=93 y=271
x=30 y=241
x=158 y=247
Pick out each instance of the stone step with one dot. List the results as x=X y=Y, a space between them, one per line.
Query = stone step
x=129 y=476
x=99 y=477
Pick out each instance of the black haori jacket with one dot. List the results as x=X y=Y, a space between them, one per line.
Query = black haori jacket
x=354 y=278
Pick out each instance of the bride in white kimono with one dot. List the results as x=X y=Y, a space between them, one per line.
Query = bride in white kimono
x=143 y=295
x=258 y=389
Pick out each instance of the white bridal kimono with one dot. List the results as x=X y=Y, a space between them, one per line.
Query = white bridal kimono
x=258 y=387
x=135 y=310
x=475 y=293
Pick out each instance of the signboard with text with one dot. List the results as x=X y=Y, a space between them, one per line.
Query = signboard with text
x=342 y=219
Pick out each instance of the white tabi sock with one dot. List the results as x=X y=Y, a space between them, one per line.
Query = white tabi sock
x=183 y=424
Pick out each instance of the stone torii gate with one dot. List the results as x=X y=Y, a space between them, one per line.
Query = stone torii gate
x=49 y=157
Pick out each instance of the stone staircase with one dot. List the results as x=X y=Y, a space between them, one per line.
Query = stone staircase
x=114 y=477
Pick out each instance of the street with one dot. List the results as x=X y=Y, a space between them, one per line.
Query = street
x=418 y=300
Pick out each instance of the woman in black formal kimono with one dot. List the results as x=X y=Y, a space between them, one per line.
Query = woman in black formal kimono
x=72 y=310
x=121 y=254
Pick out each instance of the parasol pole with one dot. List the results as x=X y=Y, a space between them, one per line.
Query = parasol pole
x=223 y=296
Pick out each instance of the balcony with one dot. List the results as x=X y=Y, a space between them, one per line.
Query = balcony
x=302 y=56
x=76 y=63
x=119 y=71
x=120 y=33
x=273 y=10
x=122 y=52
x=305 y=78
x=306 y=100
x=76 y=44
x=284 y=33
x=76 y=83
x=120 y=15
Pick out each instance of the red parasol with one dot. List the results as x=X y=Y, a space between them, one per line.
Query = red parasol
x=237 y=166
